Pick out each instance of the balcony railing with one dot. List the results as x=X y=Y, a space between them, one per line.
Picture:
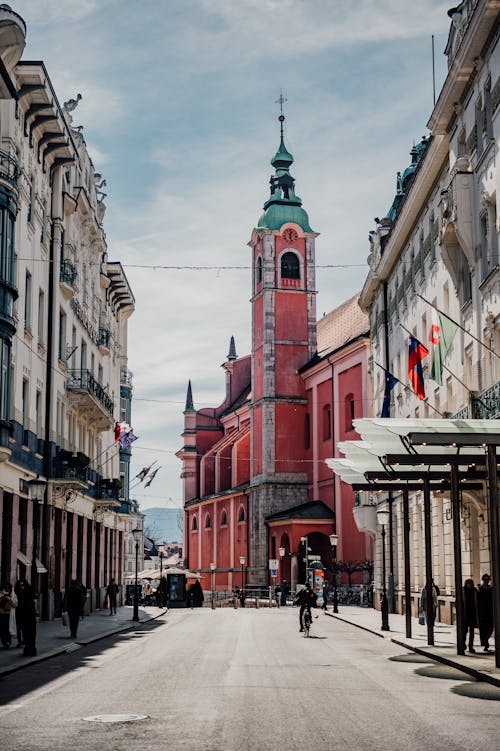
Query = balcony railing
x=9 y=168
x=83 y=380
x=486 y=406
x=108 y=490
x=67 y=274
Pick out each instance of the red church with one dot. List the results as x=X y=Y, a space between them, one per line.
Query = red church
x=256 y=485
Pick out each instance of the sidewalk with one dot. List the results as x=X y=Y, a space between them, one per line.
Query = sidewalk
x=481 y=665
x=52 y=638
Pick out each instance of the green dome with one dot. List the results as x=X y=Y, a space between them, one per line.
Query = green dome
x=282 y=159
x=276 y=215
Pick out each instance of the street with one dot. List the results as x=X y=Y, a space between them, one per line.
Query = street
x=245 y=680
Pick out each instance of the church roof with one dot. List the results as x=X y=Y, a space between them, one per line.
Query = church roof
x=310 y=510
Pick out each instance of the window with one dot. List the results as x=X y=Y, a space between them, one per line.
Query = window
x=259 y=270
x=195 y=523
x=349 y=412
x=290 y=267
x=327 y=421
x=31 y=207
x=223 y=519
x=25 y=404
x=27 y=302
x=38 y=413
x=41 y=316
x=307 y=432
x=62 y=335
x=4 y=379
x=241 y=514
x=208 y=521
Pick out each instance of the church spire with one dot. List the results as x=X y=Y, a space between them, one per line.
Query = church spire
x=283 y=205
x=232 y=351
x=189 y=399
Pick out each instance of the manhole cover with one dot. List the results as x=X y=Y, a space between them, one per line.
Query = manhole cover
x=115 y=717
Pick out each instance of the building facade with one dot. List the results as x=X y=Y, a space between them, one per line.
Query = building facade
x=63 y=330
x=256 y=488
x=438 y=250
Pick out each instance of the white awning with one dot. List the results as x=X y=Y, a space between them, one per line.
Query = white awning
x=22 y=558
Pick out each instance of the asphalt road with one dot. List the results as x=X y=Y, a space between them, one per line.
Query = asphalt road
x=246 y=680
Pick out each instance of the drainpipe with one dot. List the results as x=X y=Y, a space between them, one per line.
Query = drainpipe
x=333 y=453
x=392 y=603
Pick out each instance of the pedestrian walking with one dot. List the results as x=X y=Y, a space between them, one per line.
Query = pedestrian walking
x=27 y=617
x=285 y=591
x=325 y=596
x=5 y=610
x=83 y=599
x=197 y=595
x=17 y=615
x=423 y=602
x=72 y=605
x=471 y=618
x=111 y=594
x=485 y=611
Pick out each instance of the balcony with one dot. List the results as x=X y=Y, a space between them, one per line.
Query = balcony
x=486 y=406
x=109 y=490
x=90 y=398
x=67 y=278
x=9 y=168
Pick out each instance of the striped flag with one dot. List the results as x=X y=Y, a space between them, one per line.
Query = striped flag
x=416 y=354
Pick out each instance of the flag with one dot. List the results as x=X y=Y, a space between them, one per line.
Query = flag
x=144 y=471
x=151 y=477
x=416 y=354
x=121 y=428
x=390 y=382
x=127 y=439
x=442 y=337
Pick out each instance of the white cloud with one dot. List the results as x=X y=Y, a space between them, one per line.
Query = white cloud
x=47 y=12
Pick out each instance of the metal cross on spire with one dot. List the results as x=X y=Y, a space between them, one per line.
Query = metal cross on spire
x=281 y=101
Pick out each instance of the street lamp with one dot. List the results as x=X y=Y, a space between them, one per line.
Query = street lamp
x=242 y=563
x=282 y=555
x=333 y=542
x=212 y=569
x=382 y=519
x=36 y=492
x=306 y=559
x=160 y=585
x=137 y=533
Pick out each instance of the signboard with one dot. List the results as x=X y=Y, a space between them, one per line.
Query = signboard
x=318 y=582
x=273 y=567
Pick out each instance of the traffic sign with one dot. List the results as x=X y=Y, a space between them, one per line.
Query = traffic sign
x=273 y=563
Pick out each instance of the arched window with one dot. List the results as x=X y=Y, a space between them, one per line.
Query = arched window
x=194 y=525
x=349 y=412
x=259 y=270
x=241 y=514
x=223 y=518
x=208 y=521
x=290 y=267
x=327 y=422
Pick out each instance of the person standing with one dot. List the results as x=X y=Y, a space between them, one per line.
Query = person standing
x=5 y=610
x=72 y=604
x=325 y=596
x=485 y=611
x=19 y=632
x=27 y=617
x=423 y=601
x=285 y=591
x=111 y=594
x=470 y=613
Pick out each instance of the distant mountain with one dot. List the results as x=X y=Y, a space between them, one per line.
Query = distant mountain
x=162 y=524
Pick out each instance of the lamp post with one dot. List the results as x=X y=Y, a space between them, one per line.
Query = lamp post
x=282 y=555
x=333 y=542
x=382 y=519
x=212 y=569
x=242 y=563
x=306 y=559
x=137 y=537
x=36 y=492
x=160 y=586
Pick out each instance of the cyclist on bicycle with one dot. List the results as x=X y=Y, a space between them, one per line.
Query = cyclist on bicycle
x=306 y=599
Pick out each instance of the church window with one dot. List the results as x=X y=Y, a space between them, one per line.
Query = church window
x=307 y=432
x=241 y=514
x=290 y=267
x=259 y=270
x=194 y=526
x=327 y=420
x=223 y=519
x=349 y=412
x=208 y=521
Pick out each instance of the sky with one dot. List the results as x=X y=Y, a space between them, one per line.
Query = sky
x=180 y=116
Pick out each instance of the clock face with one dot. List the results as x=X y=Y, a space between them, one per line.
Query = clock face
x=289 y=235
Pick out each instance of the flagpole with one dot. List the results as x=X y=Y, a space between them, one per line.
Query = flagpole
x=479 y=341
x=408 y=388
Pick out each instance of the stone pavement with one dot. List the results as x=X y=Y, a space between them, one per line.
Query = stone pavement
x=481 y=665
x=53 y=638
